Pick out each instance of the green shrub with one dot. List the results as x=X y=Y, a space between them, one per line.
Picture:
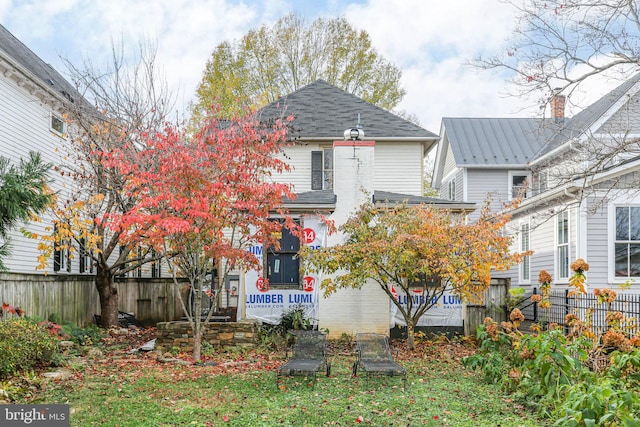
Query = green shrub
x=91 y=335
x=24 y=345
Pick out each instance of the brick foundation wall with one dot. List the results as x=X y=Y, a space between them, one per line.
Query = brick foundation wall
x=218 y=334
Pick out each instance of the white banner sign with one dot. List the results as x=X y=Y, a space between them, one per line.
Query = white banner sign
x=268 y=305
x=446 y=312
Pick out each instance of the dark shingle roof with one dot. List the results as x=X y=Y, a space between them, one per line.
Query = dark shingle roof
x=397 y=198
x=21 y=54
x=322 y=110
x=495 y=141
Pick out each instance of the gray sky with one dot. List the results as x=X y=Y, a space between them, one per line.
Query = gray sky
x=429 y=40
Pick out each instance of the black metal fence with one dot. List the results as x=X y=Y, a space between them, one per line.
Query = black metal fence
x=584 y=305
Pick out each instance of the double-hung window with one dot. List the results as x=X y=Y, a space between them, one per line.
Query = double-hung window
x=562 y=244
x=62 y=256
x=283 y=263
x=518 y=184
x=451 y=186
x=86 y=261
x=525 y=245
x=322 y=169
x=627 y=241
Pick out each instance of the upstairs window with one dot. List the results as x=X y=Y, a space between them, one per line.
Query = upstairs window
x=452 y=189
x=322 y=169
x=57 y=124
x=518 y=182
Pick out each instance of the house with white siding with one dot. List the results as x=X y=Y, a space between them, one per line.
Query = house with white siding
x=346 y=151
x=34 y=102
x=577 y=176
x=332 y=172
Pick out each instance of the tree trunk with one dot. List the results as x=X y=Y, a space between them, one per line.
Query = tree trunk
x=410 y=335
x=197 y=342
x=108 y=297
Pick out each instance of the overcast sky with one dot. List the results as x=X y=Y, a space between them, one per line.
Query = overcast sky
x=429 y=40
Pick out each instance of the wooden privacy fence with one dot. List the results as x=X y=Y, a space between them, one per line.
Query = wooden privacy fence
x=74 y=298
x=492 y=305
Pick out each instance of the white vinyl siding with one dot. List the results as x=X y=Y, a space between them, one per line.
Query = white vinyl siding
x=484 y=182
x=399 y=167
x=26 y=126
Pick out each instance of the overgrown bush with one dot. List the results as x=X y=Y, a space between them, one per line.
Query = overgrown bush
x=278 y=336
x=24 y=345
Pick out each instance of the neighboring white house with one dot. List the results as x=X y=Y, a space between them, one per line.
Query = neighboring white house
x=34 y=99
x=580 y=201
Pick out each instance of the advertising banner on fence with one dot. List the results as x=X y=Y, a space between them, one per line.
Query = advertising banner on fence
x=446 y=312
x=266 y=304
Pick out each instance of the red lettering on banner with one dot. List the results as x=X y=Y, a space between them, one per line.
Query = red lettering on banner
x=261 y=285
x=309 y=235
x=308 y=283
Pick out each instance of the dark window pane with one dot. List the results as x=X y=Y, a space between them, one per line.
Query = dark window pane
x=634 y=260
x=622 y=259
x=634 y=223
x=316 y=170
x=622 y=223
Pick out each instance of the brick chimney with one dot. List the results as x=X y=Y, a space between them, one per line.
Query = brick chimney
x=557 y=107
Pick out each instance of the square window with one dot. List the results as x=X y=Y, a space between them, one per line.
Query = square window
x=57 y=124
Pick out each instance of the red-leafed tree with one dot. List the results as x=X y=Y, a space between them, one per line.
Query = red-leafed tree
x=205 y=197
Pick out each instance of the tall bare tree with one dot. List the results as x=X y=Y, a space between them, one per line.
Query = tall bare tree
x=118 y=104
x=560 y=48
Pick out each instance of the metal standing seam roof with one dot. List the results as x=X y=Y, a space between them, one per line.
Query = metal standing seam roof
x=495 y=141
x=517 y=142
x=322 y=110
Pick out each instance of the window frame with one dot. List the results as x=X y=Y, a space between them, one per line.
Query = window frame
x=562 y=247
x=85 y=261
x=451 y=189
x=270 y=252
x=321 y=174
x=57 y=118
x=62 y=257
x=525 y=245
x=628 y=242
x=526 y=184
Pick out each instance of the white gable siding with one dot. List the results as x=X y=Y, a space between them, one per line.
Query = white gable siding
x=26 y=127
x=625 y=119
x=399 y=167
x=449 y=163
x=298 y=157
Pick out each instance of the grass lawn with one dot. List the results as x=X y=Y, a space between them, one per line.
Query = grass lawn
x=137 y=390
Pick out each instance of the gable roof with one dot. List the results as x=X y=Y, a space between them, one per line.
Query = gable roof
x=324 y=111
x=580 y=123
x=521 y=142
x=505 y=142
x=17 y=54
